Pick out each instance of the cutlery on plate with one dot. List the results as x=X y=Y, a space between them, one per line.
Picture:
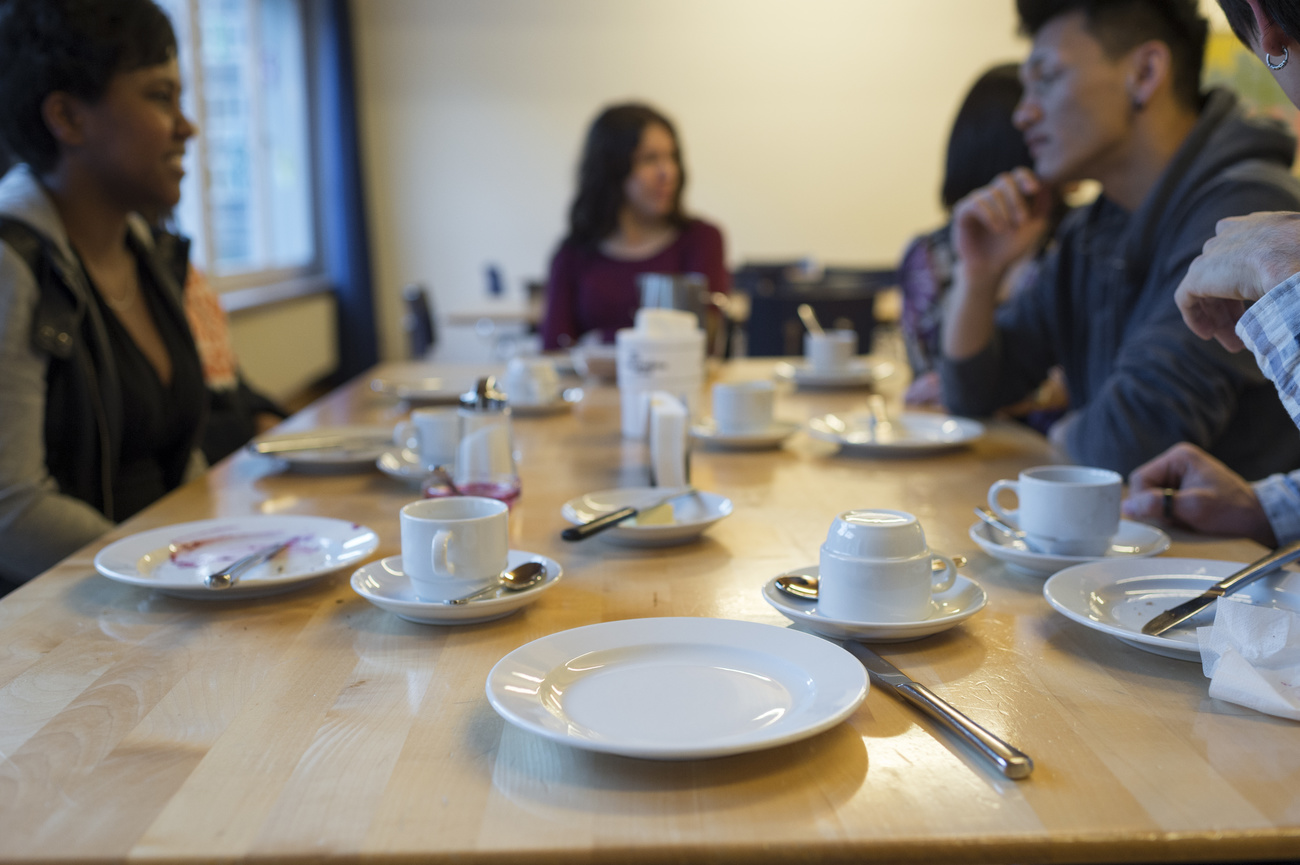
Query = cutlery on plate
x=317 y=443
x=1244 y=577
x=804 y=586
x=881 y=425
x=995 y=522
x=613 y=518
x=1011 y=762
x=517 y=579
x=809 y=319
x=226 y=578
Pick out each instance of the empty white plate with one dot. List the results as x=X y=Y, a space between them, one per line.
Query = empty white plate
x=692 y=514
x=329 y=448
x=856 y=373
x=1133 y=540
x=677 y=688
x=906 y=433
x=384 y=584
x=1119 y=596
x=962 y=600
x=175 y=560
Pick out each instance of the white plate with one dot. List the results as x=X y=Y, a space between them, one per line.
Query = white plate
x=962 y=600
x=1133 y=540
x=403 y=464
x=1118 y=597
x=677 y=689
x=384 y=584
x=174 y=560
x=857 y=373
x=691 y=515
x=908 y=433
x=367 y=443
x=424 y=389
x=706 y=432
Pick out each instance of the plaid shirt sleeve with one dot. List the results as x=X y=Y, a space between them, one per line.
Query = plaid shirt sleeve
x=1280 y=497
x=1271 y=330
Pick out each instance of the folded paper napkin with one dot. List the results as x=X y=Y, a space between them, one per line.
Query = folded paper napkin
x=1252 y=657
x=669 y=426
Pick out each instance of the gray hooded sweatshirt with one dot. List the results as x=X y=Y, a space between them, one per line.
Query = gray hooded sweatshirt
x=1103 y=308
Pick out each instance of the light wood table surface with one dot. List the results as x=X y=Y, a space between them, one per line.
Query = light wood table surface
x=313 y=725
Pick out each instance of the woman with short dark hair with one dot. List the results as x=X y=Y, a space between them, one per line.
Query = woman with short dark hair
x=102 y=398
x=626 y=219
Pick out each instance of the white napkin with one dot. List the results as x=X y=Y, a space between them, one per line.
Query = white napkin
x=1252 y=657
x=668 y=429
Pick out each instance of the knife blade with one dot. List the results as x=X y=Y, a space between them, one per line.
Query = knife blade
x=1244 y=577
x=317 y=443
x=1011 y=762
x=613 y=518
x=226 y=578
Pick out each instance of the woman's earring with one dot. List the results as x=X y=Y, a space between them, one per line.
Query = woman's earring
x=1286 y=58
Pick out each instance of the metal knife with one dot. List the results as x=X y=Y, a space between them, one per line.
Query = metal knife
x=613 y=518
x=1010 y=761
x=1244 y=577
x=226 y=578
x=317 y=443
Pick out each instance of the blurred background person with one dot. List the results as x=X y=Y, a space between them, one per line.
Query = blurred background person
x=626 y=219
x=102 y=398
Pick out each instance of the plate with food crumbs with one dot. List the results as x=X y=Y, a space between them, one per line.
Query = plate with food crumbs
x=676 y=522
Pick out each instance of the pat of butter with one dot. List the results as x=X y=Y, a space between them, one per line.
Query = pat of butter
x=662 y=515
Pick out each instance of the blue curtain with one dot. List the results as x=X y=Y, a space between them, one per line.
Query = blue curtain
x=345 y=250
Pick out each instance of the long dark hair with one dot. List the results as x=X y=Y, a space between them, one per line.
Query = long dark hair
x=984 y=142
x=606 y=164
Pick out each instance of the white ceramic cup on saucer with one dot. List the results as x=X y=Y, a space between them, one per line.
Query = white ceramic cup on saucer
x=1065 y=510
x=875 y=567
x=743 y=406
x=532 y=381
x=452 y=547
x=831 y=351
x=433 y=433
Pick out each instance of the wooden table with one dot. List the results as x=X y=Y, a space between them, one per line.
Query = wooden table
x=314 y=725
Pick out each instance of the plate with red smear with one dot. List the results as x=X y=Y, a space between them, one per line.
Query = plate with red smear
x=175 y=560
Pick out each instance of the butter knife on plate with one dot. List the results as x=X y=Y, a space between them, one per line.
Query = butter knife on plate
x=1244 y=577
x=1011 y=762
x=613 y=518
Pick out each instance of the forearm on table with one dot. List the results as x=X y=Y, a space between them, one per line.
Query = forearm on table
x=969 y=314
x=1270 y=330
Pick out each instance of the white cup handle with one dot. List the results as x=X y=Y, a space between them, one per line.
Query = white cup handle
x=1012 y=516
x=441 y=566
x=404 y=433
x=942 y=582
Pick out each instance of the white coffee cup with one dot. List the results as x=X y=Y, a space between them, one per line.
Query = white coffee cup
x=532 y=381
x=831 y=351
x=432 y=433
x=1065 y=510
x=743 y=406
x=454 y=546
x=875 y=567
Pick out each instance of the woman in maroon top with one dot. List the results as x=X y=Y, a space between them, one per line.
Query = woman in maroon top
x=626 y=220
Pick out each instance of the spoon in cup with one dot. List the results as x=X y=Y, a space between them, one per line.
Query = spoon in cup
x=809 y=319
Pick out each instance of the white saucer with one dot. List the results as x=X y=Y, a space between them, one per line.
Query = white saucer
x=174 y=560
x=423 y=390
x=691 y=515
x=1119 y=596
x=403 y=464
x=366 y=445
x=706 y=432
x=677 y=688
x=383 y=584
x=857 y=373
x=962 y=600
x=907 y=433
x=1133 y=540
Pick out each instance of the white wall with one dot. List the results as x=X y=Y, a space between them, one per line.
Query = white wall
x=810 y=127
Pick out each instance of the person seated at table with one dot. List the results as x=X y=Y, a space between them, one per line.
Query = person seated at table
x=1112 y=94
x=102 y=398
x=1244 y=291
x=626 y=219
x=983 y=143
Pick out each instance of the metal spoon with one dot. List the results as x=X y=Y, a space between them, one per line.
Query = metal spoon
x=805 y=587
x=809 y=319
x=996 y=523
x=441 y=475
x=517 y=579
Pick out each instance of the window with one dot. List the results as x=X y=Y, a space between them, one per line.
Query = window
x=247 y=197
